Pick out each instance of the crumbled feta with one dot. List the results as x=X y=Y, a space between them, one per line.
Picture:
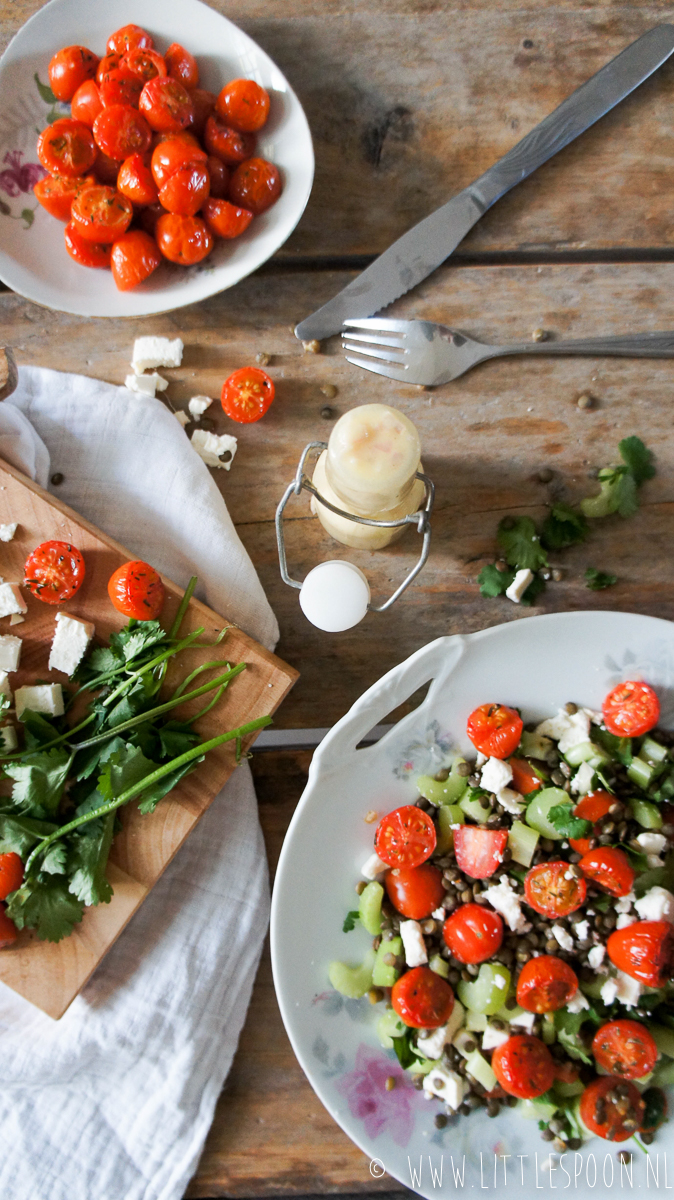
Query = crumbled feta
x=628 y=989
x=5 y=689
x=511 y=801
x=69 y=644
x=496 y=774
x=524 y=1020
x=569 y=729
x=609 y=991
x=433 y=1043
x=562 y=937
x=438 y=914
x=8 y=738
x=519 y=585
x=151 y=352
x=7 y=531
x=500 y=981
x=373 y=867
x=480 y=760
x=577 y=1002
x=491 y=1038
x=624 y=903
x=446 y=1085
x=413 y=943
x=581 y=783
x=11 y=600
x=582 y=929
x=16 y=619
x=596 y=957
x=146 y=385
x=198 y=405
x=624 y=920
x=182 y=417
x=505 y=900
x=42 y=697
x=213 y=448
x=10 y=652
x=656 y=905
x=652 y=843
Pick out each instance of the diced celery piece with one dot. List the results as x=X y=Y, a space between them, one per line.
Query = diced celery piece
x=389 y=1026
x=422 y=1066
x=644 y=1082
x=369 y=908
x=449 y=791
x=663 y=1038
x=535 y=1110
x=353 y=982
x=647 y=815
x=537 y=812
x=438 y=964
x=465 y=1042
x=652 y=751
x=664 y=1073
x=548 y=1032
x=535 y=745
x=474 y=809
x=476 y=1022
x=448 y=815
x=488 y=993
x=608 y=498
x=384 y=975
x=566 y=1090
x=592 y=987
x=509 y=1014
x=588 y=752
x=578 y=1120
x=640 y=772
x=479 y=1068
x=456 y=1020
x=522 y=842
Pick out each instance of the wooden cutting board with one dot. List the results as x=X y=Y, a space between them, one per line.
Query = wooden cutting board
x=48 y=975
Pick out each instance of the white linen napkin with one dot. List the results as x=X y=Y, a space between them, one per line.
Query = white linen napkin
x=115 y=1100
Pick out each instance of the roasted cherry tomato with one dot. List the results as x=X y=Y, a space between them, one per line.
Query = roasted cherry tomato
x=66 y=148
x=146 y=64
x=422 y=999
x=625 y=1048
x=227 y=144
x=609 y=868
x=244 y=105
x=645 y=951
x=415 y=891
x=479 y=851
x=86 y=103
x=632 y=708
x=473 y=933
x=136 y=590
x=549 y=891
x=108 y=63
x=182 y=65
x=85 y=252
x=175 y=152
x=247 y=394
x=120 y=131
x=166 y=104
x=8 y=930
x=56 y=193
x=69 y=68
x=523 y=1066
x=183 y=240
x=100 y=214
x=525 y=779
x=185 y=190
x=612 y=1109
x=592 y=807
x=203 y=103
x=54 y=571
x=121 y=86
x=11 y=874
x=255 y=184
x=495 y=730
x=129 y=37
x=545 y=984
x=405 y=837
x=135 y=180
x=219 y=174
x=225 y=220
x=135 y=256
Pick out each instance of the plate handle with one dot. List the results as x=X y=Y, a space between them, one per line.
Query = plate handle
x=435 y=662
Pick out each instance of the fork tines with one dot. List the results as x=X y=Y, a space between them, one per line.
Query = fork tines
x=363 y=344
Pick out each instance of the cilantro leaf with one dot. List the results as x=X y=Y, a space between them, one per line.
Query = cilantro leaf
x=597 y=580
x=88 y=859
x=134 y=702
x=47 y=906
x=39 y=780
x=20 y=834
x=176 y=737
x=656 y=877
x=563 y=526
x=136 y=637
x=520 y=543
x=150 y=798
x=37 y=730
x=638 y=859
x=124 y=768
x=638 y=458
x=568 y=1027
x=350 y=920
x=620 y=748
x=404 y=1051
x=561 y=816
x=54 y=861
x=626 y=495
x=601 y=903
x=494 y=582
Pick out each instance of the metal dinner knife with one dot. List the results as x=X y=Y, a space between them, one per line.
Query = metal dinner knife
x=414 y=255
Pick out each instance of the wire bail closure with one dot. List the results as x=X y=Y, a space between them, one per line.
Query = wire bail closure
x=420 y=519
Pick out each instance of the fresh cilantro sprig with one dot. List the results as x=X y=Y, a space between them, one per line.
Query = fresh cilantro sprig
x=568 y=826
x=520 y=543
x=596 y=580
x=564 y=526
x=619 y=484
x=350 y=920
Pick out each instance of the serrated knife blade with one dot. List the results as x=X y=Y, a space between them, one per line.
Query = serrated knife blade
x=422 y=249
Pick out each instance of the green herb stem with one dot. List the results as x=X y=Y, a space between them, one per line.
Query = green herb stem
x=198 y=671
x=178 y=619
x=149 y=666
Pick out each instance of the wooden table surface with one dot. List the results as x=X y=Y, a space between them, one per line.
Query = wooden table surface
x=408 y=101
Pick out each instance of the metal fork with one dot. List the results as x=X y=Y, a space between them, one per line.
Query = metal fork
x=430 y=354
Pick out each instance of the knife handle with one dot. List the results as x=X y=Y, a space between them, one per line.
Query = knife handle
x=578 y=112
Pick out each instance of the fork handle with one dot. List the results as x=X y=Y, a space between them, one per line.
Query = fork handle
x=636 y=345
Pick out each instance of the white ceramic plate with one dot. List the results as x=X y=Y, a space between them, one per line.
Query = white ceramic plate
x=537 y=664
x=33 y=259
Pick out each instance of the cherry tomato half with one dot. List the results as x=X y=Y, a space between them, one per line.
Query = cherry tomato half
x=101 y=214
x=405 y=837
x=255 y=184
x=185 y=190
x=108 y=63
x=632 y=708
x=525 y=779
x=129 y=37
x=225 y=220
x=422 y=999
x=549 y=892
x=175 y=152
x=54 y=571
x=146 y=64
x=592 y=807
x=609 y=868
x=166 y=104
x=182 y=65
x=625 y=1048
x=495 y=730
x=523 y=1066
x=56 y=193
x=183 y=240
x=8 y=930
x=70 y=68
x=243 y=105
x=227 y=144
x=85 y=252
x=479 y=851
x=120 y=86
x=135 y=256
x=473 y=933
x=545 y=984
x=86 y=103
x=136 y=590
x=66 y=148
x=415 y=891
x=120 y=131
x=609 y=1115
x=247 y=394
x=11 y=874
x=135 y=181
x=644 y=951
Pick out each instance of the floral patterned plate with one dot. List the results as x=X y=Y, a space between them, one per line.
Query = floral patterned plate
x=33 y=259
x=537 y=664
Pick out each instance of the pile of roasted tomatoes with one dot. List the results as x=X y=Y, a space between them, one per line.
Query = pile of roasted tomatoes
x=149 y=164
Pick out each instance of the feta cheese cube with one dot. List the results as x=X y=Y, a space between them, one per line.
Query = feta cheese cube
x=652 y=843
x=581 y=783
x=182 y=417
x=496 y=774
x=628 y=989
x=432 y=1044
x=198 y=406
x=596 y=957
x=146 y=385
x=413 y=943
x=69 y=644
x=8 y=738
x=624 y=920
x=373 y=867
x=656 y=905
x=624 y=903
x=446 y=1085
x=151 y=352
x=11 y=600
x=519 y=585
x=506 y=902
x=562 y=937
x=213 y=448
x=577 y=1002
x=10 y=652
x=7 y=531
x=42 y=697
x=16 y=619
x=439 y=914
x=5 y=689
x=581 y=929
x=609 y=991
x=491 y=1038
x=569 y=729
x=523 y=1020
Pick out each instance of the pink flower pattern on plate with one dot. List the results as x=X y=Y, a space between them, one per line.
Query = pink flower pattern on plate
x=365 y=1092
x=19 y=177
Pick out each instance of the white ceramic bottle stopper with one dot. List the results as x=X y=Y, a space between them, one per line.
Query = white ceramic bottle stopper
x=335 y=596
